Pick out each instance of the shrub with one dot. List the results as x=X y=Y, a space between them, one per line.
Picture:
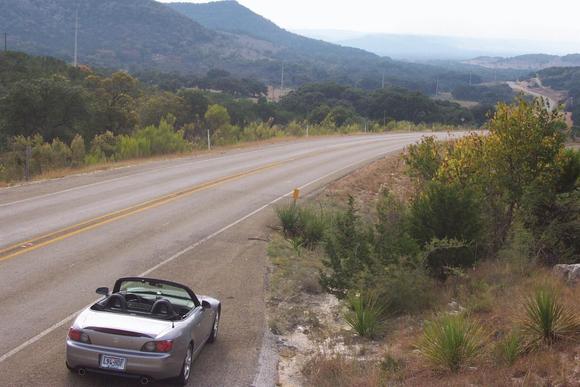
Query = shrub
x=60 y=154
x=392 y=240
x=451 y=342
x=289 y=216
x=78 y=152
x=104 y=146
x=163 y=139
x=366 y=315
x=510 y=348
x=444 y=255
x=348 y=252
x=547 y=320
x=404 y=290
x=445 y=211
x=313 y=226
x=424 y=159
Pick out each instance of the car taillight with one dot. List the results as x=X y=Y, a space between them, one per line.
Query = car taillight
x=158 y=346
x=78 y=335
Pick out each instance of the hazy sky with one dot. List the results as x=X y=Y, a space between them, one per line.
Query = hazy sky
x=552 y=20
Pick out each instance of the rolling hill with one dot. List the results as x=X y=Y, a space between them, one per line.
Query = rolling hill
x=532 y=62
x=194 y=38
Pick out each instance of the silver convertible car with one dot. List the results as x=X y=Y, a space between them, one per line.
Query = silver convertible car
x=148 y=329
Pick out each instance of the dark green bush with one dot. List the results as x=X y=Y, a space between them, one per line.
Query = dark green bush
x=392 y=240
x=404 y=289
x=443 y=255
x=445 y=211
x=289 y=216
x=348 y=252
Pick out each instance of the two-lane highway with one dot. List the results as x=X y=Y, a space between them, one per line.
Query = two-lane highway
x=186 y=219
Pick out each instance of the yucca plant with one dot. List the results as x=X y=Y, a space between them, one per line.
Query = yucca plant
x=547 y=320
x=510 y=348
x=366 y=315
x=451 y=342
x=289 y=216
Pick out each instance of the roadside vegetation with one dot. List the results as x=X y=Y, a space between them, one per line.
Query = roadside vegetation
x=448 y=281
x=54 y=116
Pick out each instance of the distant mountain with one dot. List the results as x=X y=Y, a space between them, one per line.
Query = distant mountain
x=194 y=38
x=232 y=17
x=121 y=34
x=532 y=62
x=430 y=47
x=326 y=61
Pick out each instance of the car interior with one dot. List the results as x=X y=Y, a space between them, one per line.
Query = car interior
x=147 y=306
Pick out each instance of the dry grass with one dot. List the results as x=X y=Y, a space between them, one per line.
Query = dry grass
x=494 y=293
x=338 y=371
x=366 y=184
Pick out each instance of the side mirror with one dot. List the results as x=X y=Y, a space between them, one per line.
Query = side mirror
x=103 y=291
x=205 y=305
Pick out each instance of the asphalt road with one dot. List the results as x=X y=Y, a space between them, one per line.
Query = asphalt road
x=198 y=220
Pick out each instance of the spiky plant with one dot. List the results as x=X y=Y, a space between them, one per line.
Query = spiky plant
x=451 y=342
x=547 y=320
x=510 y=348
x=366 y=315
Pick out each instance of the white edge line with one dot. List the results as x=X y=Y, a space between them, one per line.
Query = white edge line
x=59 y=324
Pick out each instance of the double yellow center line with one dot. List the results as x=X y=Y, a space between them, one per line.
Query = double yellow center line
x=70 y=231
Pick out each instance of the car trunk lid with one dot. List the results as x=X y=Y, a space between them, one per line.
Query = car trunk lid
x=122 y=330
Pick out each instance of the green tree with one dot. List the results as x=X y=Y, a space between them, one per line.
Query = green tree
x=349 y=252
x=445 y=211
x=217 y=117
x=52 y=107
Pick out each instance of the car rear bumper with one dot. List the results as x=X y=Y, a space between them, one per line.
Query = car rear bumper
x=153 y=365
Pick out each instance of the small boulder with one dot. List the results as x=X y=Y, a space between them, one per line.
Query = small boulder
x=569 y=273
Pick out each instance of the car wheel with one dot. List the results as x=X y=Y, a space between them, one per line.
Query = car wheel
x=215 y=327
x=185 y=374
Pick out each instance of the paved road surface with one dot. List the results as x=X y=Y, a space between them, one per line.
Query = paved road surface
x=186 y=220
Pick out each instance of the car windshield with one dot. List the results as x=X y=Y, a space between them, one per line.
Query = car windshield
x=177 y=295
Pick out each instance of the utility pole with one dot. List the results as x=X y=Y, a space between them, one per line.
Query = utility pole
x=208 y=141
x=307 y=129
x=27 y=156
x=282 y=80
x=75 y=60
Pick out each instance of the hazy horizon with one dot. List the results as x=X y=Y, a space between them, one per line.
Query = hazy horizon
x=528 y=20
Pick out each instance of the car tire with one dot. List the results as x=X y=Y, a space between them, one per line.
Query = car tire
x=215 y=327
x=185 y=374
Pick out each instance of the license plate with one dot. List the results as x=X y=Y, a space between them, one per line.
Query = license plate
x=113 y=363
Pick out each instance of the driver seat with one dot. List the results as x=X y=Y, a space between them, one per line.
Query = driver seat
x=116 y=301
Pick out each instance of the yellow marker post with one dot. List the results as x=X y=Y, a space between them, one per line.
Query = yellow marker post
x=296 y=194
